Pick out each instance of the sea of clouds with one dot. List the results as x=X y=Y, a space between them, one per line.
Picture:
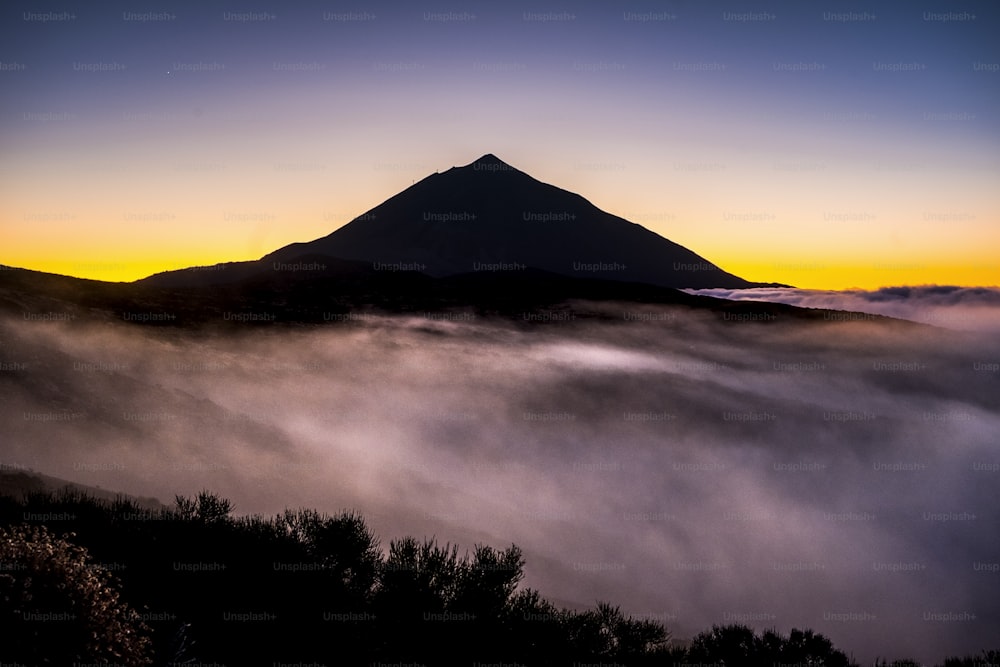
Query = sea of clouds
x=837 y=475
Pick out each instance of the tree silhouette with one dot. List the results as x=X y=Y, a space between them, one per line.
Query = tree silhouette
x=412 y=601
x=729 y=645
x=606 y=633
x=485 y=584
x=805 y=647
x=206 y=507
x=536 y=627
x=343 y=546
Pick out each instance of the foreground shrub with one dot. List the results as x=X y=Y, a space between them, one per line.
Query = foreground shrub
x=57 y=607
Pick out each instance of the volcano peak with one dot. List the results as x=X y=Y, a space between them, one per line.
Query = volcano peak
x=489 y=163
x=489 y=158
x=489 y=216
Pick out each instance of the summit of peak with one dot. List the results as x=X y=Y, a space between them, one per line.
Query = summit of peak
x=490 y=162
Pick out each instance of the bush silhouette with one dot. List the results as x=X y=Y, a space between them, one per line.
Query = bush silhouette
x=431 y=602
x=985 y=659
x=57 y=607
x=739 y=645
x=317 y=589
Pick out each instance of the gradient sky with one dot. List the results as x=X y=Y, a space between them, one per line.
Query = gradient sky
x=821 y=144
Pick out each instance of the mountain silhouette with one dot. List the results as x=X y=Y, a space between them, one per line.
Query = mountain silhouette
x=489 y=216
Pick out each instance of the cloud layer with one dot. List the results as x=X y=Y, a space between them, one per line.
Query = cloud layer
x=837 y=475
x=948 y=306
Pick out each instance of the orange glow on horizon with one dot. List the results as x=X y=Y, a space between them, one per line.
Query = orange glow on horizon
x=103 y=261
x=120 y=226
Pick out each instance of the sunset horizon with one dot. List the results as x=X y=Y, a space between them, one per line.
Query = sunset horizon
x=820 y=148
x=682 y=317
x=810 y=270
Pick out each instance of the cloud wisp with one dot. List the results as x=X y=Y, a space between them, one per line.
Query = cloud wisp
x=947 y=306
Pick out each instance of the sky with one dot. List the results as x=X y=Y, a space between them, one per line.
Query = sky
x=818 y=144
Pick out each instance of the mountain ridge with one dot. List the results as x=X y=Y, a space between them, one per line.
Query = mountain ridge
x=339 y=291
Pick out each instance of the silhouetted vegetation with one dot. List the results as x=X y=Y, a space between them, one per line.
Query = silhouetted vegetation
x=740 y=645
x=984 y=659
x=194 y=584
x=57 y=607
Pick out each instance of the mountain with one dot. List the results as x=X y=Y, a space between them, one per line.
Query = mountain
x=489 y=216
x=484 y=237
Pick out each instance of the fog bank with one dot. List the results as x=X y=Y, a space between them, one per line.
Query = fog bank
x=841 y=476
